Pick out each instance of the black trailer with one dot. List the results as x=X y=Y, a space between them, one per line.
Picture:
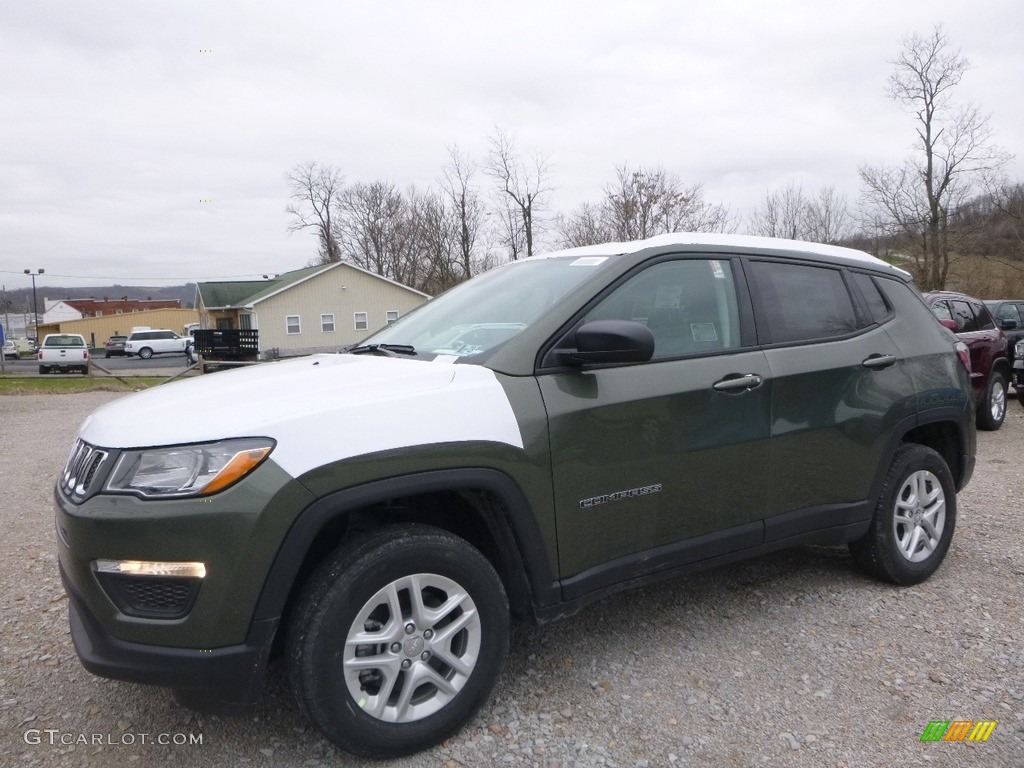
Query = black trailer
x=227 y=344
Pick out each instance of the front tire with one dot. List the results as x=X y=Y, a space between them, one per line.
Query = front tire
x=914 y=519
x=992 y=411
x=397 y=640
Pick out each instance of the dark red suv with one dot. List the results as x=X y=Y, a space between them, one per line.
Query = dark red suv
x=972 y=322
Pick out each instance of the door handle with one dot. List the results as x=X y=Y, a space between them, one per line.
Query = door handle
x=879 y=361
x=738 y=382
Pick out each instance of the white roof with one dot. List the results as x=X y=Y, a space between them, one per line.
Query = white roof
x=719 y=241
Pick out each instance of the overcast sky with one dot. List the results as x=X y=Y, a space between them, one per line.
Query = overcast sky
x=115 y=122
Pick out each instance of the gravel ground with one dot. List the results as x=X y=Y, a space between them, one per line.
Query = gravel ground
x=790 y=660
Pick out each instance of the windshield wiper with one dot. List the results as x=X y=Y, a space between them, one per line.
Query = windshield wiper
x=388 y=350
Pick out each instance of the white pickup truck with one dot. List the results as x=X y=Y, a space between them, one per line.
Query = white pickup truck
x=64 y=352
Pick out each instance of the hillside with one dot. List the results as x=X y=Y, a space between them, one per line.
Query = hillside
x=21 y=299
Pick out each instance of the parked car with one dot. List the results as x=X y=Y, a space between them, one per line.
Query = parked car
x=973 y=324
x=151 y=342
x=63 y=352
x=1009 y=314
x=10 y=350
x=626 y=412
x=115 y=346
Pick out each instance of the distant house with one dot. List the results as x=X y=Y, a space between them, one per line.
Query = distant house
x=60 y=310
x=316 y=309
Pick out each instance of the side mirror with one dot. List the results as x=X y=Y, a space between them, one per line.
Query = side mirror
x=1008 y=325
x=610 y=341
x=947 y=323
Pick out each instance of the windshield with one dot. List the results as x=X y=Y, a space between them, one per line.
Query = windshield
x=475 y=318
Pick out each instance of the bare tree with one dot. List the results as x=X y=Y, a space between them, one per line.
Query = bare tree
x=828 y=217
x=1008 y=200
x=371 y=227
x=954 y=152
x=640 y=203
x=644 y=202
x=314 y=189
x=466 y=206
x=523 y=186
x=439 y=243
x=782 y=214
x=584 y=226
x=791 y=214
x=411 y=236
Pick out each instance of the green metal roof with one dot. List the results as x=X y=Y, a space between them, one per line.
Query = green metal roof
x=231 y=293
x=283 y=281
x=240 y=293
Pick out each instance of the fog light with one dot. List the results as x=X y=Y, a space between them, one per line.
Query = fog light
x=146 y=568
x=150 y=590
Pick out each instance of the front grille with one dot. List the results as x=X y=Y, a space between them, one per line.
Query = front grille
x=83 y=465
x=149 y=597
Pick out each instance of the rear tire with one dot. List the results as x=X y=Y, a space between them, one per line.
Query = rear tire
x=914 y=519
x=992 y=410
x=397 y=640
x=43 y=369
x=145 y=353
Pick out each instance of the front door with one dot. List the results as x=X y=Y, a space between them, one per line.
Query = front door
x=646 y=458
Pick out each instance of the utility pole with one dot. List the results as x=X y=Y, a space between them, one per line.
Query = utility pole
x=7 y=310
x=35 y=305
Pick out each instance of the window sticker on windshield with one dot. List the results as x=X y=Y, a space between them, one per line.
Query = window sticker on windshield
x=716 y=269
x=446 y=358
x=589 y=261
x=703 y=332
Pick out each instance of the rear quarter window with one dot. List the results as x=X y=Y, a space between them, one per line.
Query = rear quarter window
x=874 y=302
x=983 y=317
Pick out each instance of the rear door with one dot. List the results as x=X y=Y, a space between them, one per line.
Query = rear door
x=975 y=326
x=839 y=388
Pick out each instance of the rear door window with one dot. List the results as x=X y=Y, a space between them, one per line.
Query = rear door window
x=966 y=322
x=800 y=302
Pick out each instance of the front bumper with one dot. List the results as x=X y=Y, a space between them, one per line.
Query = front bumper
x=211 y=649
x=225 y=680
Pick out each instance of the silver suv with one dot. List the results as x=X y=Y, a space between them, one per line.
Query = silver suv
x=147 y=343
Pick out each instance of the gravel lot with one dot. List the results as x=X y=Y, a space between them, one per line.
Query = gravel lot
x=790 y=660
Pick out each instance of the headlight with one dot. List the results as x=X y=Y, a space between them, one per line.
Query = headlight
x=1018 y=349
x=187 y=470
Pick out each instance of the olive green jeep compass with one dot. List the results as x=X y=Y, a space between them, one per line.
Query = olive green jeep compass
x=547 y=433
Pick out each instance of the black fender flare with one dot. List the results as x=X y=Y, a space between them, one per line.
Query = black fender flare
x=954 y=415
x=518 y=533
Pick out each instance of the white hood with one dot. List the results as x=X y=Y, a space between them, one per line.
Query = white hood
x=319 y=409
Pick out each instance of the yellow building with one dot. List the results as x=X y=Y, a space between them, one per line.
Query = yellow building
x=97 y=330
